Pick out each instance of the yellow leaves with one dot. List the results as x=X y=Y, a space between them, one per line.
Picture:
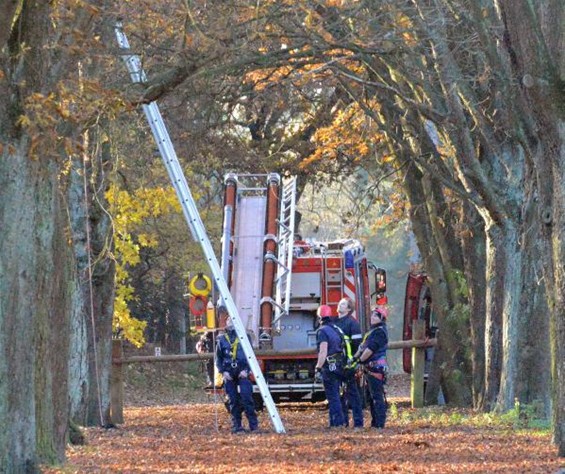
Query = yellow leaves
x=130 y=212
x=309 y=19
x=335 y=3
x=23 y=121
x=33 y=147
x=147 y=240
x=129 y=327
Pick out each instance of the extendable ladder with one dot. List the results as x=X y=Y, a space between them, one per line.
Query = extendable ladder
x=192 y=216
x=285 y=244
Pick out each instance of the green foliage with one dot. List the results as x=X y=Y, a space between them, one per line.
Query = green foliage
x=458 y=316
x=525 y=416
x=520 y=417
x=393 y=411
x=462 y=289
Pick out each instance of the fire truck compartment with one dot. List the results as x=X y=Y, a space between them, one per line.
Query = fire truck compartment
x=297 y=332
x=305 y=285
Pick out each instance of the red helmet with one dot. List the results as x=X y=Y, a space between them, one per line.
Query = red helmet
x=382 y=311
x=324 y=311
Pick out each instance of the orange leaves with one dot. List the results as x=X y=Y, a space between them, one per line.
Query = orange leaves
x=351 y=137
x=194 y=437
x=188 y=439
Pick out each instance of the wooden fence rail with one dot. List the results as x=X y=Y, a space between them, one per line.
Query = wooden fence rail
x=418 y=345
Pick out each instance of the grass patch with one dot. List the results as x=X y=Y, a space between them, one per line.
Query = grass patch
x=521 y=417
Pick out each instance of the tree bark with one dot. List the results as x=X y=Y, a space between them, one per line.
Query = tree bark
x=473 y=246
x=36 y=288
x=534 y=34
x=447 y=370
x=91 y=225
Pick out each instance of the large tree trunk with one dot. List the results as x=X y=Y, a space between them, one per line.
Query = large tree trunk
x=557 y=328
x=91 y=356
x=448 y=355
x=493 y=324
x=473 y=245
x=36 y=288
x=535 y=39
x=533 y=379
x=39 y=287
x=36 y=264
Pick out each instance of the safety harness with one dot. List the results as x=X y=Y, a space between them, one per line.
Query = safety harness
x=346 y=348
x=233 y=347
x=380 y=365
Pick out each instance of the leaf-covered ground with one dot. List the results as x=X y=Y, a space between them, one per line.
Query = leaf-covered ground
x=195 y=438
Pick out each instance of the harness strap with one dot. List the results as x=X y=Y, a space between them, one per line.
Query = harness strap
x=344 y=338
x=366 y=336
x=233 y=346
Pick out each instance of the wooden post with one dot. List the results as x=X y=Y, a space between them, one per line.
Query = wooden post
x=418 y=365
x=117 y=383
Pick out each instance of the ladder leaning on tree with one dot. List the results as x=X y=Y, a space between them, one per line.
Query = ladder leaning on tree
x=192 y=216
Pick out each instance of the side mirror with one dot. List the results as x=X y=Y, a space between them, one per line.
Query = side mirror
x=380 y=280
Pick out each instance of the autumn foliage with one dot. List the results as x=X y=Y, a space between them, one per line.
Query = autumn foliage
x=196 y=438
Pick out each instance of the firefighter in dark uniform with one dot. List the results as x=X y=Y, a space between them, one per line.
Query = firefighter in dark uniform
x=351 y=399
x=232 y=364
x=372 y=354
x=330 y=364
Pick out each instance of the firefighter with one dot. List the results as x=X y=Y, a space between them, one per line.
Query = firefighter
x=329 y=365
x=350 y=399
x=372 y=354
x=232 y=364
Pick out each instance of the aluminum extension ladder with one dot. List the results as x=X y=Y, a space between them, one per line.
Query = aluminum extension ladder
x=192 y=216
x=285 y=244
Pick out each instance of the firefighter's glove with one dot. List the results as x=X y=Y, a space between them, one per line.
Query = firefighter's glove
x=318 y=375
x=227 y=376
x=243 y=374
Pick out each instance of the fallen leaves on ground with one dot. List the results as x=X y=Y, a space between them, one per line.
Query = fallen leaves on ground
x=196 y=438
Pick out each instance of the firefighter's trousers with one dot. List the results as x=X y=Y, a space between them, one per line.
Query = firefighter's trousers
x=378 y=407
x=241 y=401
x=332 y=381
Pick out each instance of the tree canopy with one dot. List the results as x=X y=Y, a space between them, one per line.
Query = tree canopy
x=447 y=112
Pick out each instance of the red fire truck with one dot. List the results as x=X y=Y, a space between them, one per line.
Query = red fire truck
x=417 y=306
x=322 y=273
x=278 y=280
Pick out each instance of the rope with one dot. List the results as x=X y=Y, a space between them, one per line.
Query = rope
x=216 y=421
x=91 y=292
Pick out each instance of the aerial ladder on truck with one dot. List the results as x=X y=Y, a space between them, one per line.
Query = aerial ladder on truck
x=195 y=224
x=257 y=250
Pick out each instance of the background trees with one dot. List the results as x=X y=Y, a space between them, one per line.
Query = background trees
x=459 y=104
